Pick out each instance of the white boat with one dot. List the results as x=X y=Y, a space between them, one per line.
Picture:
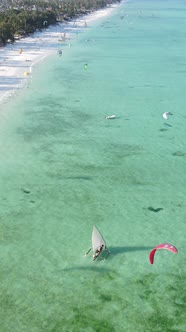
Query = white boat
x=98 y=244
x=110 y=116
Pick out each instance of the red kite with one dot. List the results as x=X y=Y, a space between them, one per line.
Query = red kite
x=167 y=246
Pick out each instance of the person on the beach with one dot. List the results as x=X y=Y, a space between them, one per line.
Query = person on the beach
x=98 y=252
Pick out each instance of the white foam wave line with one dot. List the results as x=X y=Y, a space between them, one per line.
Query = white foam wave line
x=36 y=61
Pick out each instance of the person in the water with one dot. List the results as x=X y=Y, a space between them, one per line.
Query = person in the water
x=98 y=252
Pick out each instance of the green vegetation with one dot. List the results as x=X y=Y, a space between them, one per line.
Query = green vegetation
x=22 y=17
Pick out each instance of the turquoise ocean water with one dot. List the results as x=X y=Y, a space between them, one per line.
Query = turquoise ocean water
x=64 y=168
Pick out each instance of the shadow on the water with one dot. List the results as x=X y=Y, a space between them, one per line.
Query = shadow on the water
x=167 y=124
x=85 y=178
x=113 y=252
x=120 y=250
x=150 y=208
x=94 y=268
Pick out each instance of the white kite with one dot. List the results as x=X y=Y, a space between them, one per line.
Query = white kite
x=165 y=115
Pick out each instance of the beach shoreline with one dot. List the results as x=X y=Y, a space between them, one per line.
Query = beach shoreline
x=18 y=59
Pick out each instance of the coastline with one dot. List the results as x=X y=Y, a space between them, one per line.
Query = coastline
x=18 y=59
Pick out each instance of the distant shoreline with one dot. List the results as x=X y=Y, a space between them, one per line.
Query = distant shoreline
x=18 y=59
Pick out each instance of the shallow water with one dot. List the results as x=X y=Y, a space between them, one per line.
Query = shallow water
x=64 y=168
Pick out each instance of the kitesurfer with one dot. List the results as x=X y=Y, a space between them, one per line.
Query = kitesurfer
x=98 y=252
x=60 y=52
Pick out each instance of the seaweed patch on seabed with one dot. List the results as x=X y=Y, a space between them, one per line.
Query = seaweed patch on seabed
x=49 y=101
x=124 y=150
x=86 y=318
x=167 y=312
x=179 y=154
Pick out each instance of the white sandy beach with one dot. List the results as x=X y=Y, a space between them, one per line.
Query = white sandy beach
x=17 y=60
